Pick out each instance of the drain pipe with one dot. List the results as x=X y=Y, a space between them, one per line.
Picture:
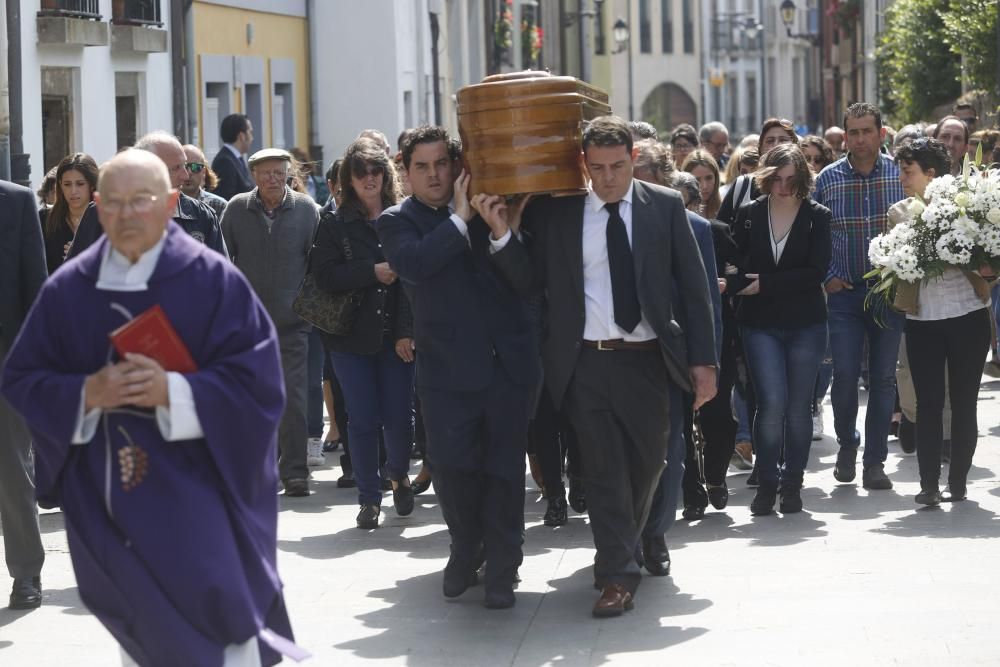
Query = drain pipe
x=20 y=167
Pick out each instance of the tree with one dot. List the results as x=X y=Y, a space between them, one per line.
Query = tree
x=970 y=31
x=918 y=69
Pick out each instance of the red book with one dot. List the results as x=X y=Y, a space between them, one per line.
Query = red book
x=152 y=335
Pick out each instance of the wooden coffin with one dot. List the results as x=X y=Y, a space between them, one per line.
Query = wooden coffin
x=521 y=132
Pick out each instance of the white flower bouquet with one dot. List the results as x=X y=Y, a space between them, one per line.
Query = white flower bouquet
x=956 y=224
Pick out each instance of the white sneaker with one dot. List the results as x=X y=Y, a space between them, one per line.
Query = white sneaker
x=818 y=425
x=314 y=452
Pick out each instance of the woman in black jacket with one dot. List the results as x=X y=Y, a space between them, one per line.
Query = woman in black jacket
x=374 y=362
x=784 y=244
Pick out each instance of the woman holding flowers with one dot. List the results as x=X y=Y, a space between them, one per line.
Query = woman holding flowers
x=939 y=253
x=784 y=242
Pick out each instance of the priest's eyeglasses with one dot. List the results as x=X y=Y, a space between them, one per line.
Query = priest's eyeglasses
x=140 y=204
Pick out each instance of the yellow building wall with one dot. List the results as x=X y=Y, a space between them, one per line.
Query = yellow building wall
x=220 y=30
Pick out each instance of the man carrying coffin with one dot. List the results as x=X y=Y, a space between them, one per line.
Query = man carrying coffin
x=610 y=263
x=167 y=480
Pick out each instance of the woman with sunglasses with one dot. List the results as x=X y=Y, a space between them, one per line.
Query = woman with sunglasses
x=773 y=132
x=818 y=153
x=374 y=361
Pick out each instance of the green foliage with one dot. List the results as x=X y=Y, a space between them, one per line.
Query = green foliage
x=918 y=70
x=970 y=30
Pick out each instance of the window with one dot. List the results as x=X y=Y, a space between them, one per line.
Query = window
x=283 y=115
x=136 y=12
x=645 y=28
x=667 y=25
x=127 y=108
x=688 y=20
x=59 y=109
x=84 y=9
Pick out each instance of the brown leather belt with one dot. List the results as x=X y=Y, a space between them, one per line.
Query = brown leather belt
x=622 y=345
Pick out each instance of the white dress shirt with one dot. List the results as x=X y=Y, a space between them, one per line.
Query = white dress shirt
x=180 y=420
x=597 y=294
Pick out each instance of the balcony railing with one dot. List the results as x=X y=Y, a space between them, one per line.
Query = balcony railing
x=136 y=12
x=83 y=9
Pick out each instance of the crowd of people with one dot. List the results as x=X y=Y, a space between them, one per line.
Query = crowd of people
x=688 y=314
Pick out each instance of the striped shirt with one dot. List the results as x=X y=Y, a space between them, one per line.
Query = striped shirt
x=859 y=205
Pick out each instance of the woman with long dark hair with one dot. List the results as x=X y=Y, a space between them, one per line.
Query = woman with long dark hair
x=76 y=182
x=374 y=361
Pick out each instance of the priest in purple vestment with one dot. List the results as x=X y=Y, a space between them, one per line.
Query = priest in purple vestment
x=167 y=481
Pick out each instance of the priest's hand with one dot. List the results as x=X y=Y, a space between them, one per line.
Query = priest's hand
x=153 y=392
x=115 y=385
x=703 y=383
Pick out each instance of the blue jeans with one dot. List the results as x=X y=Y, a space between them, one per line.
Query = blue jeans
x=783 y=365
x=378 y=391
x=850 y=321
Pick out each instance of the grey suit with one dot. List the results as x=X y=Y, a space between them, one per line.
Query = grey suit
x=22 y=272
x=618 y=401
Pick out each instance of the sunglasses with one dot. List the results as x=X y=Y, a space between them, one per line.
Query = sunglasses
x=195 y=167
x=362 y=171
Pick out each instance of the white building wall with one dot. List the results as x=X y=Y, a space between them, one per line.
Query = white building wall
x=377 y=79
x=94 y=130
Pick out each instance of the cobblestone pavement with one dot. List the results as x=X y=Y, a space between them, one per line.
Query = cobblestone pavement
x=859 y=578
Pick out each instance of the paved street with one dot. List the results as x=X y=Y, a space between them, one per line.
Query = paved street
x=858 y=578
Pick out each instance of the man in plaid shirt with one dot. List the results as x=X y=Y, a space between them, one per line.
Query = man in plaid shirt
x=859 y=189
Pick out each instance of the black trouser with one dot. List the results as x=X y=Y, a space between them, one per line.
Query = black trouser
x=718 y=426
x=552 y=440
x=962 y=344
x=619 y=403
x=476 y=442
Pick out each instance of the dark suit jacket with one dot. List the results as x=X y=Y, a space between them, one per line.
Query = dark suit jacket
x=791 y=291
x=22 y=257
x=196 y=218
x=665 y=254
x=465 y=316
x=234 y=177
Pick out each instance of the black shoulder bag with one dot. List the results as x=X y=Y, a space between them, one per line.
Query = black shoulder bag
x=333 y=313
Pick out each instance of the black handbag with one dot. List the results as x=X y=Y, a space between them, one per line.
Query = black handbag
x=334 y=312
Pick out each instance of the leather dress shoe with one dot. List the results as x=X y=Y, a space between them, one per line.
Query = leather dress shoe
x=615 y=600
x=346 y=479
x=693 y=512
x=556 y=514
x=499 y=597
x=402 y=498
x=928 y=497
x=368 y=516
x=718 y=496
x=458 y=579
x=655 y=556
x=420 y=485
x=26 y=593
x=296 y=487
x=577 y=494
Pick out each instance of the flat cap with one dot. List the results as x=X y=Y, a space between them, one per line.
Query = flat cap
x=269 y=154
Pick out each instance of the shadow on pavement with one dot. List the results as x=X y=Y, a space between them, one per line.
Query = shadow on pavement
x=422 y=628
x=965 y=519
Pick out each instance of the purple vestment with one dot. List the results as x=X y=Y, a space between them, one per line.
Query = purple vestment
x=173 y=543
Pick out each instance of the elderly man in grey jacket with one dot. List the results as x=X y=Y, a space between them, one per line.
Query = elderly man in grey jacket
x=269 y=232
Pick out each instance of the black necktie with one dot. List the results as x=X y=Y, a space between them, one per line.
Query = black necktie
x=623 y=289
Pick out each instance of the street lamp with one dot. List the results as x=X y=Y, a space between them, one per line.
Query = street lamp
x=622 y=37
x=788 y=11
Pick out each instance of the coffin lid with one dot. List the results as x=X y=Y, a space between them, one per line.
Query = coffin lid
x=529 y=88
